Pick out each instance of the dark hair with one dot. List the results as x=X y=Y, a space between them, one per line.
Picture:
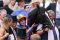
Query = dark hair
x=20 y=1
x=38 y=6
x=9 y=17
x=22 y=19
x=14 y=18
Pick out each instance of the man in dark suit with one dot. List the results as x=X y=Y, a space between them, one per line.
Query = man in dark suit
x=56 y=8
x=52 y=6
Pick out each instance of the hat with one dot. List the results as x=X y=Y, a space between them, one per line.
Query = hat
x=33 y=1
x=20 y=16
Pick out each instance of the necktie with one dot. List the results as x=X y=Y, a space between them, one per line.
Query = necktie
x=55 y=35
x=54 y=32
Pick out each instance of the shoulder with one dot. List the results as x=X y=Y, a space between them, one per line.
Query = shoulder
x=51 y=4
x=2 y=30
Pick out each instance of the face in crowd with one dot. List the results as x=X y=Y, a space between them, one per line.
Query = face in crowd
x=3 y=13
x=21 y=3
x=51 y=15
x=12 y=2
x=14 y=24
x=22 y=21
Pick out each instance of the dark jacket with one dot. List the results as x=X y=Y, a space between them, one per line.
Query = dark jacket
x=52 y=6
x=9 y=11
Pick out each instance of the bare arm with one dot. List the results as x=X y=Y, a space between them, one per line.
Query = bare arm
x=3 y=35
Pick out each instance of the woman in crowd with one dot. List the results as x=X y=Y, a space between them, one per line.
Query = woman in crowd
x=4 y=28
x=3 y=13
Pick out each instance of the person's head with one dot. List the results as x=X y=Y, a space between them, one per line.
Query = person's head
x=21 y=20
x=3 y=13
x=7 y=21
x=21 y=3
x=58 y=1
x=14 y=23
x=12 y=2
x=51 y=14
x=35 y=37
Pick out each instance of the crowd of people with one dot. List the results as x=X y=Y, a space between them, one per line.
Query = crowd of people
x=29 y=21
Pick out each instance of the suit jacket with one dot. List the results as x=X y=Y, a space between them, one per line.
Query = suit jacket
x=52 y=6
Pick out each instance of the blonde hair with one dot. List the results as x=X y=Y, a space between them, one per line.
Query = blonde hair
x=6 y=20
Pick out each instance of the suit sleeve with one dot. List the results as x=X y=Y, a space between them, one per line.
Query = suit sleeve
x=49 y=7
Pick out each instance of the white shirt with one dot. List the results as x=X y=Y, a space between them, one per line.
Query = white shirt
x=50 y=33
x=14 y=32
x=58 y=10
x=11 y=36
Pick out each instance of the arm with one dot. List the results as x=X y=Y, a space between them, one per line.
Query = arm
x=3 y=35
x=31 y=28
